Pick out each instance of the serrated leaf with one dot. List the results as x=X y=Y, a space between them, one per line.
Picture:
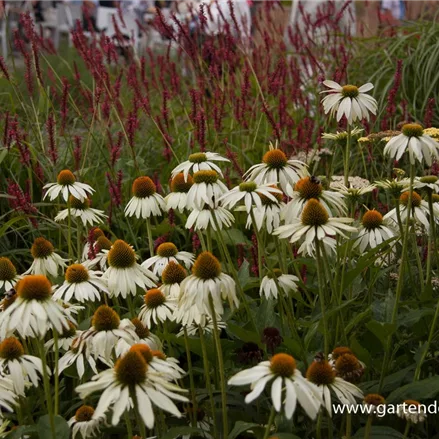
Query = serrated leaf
x=381 y=330
x=241 y=427
x=62 y=430
x=418 y=390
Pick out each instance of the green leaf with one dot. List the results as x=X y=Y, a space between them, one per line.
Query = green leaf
x=243 y=334
x=62 y=430
x=413 y=316
x=418 y=390
x=381 y=330
x=286 y=436
x=379 y=433
x=241 y=427
x=176 y=432
x=20 y=432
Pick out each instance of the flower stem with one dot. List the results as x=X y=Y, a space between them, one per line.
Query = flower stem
x=191 y=376
x=46 y=383
x=400 y=277
x=69 y=231
x=407 y=429
x=348 y=426
x=322 y=298
x=207 y=376
x=138 y=417
x=128 y=424
x=219 y=352
x=260 y=244
x=56 y=377
x=368 y=427
x=269 y=423
x=347 y=154
x=150 y=241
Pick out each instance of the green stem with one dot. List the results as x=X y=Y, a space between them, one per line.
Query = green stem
x=418 y=263
x=347 y=154
x=322 y=298
x=69 y=231
x=368 y=428
x=150 y=241
x=348 y=426
x=269 y=423
x=219 y=352
x=138 y=417
x=207 y=376
x=46 y=383
x=319 y=426
x=400 y=277
x=407 y=429
x=260 y=244
x=191 y=376
x=128 y=424
x=56 y=377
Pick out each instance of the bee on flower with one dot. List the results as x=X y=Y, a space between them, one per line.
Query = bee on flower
x=315 y=224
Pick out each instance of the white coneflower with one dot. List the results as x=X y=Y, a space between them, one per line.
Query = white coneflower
x=313 y=224
x=19 y=366
x=206 y=190
x=83 y=425
x=193 y=328
x=427 y=183
x=8 y=274
x=93 y=234
x=78 y=354
x=342 y=136
x=354 y=193
x=349 y=101
x=289 y=386
x=215 y=218
x=46 y=261
x=106 y=331
x=81 y=209
x=412 y=139
x=34 y=312
x=199 y=161
x=146 y=202
x=158 y=362
x=307 y=188
x=101 y=248
x=180 y=186
x=64 y=340
x=373 y=231
x=372 y=401
x=323 y=376
x=269 y=287
x=172 y=276
x=82 y=284
x=276 y=167
x=250 y=194
x=145 y=337
x=157 y=307
x=419 y=210
x=206 y=280
x=412 y=411
x=268 y=215
x=67 y=185
x=8 y=397
x=124 y=274
x=129 y=379
x=165 y=253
